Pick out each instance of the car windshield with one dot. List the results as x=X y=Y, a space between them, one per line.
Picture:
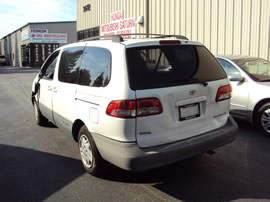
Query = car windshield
x=257 y=68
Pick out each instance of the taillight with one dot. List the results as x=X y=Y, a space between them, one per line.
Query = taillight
x=134 y=108
x=122 y=109
x=224 y=93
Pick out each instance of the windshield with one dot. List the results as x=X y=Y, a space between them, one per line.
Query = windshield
x=171 y=65
x=257 y=68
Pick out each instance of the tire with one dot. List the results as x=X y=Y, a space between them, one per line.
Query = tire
x=39 y=118
x=263 y=119
x=90 y=157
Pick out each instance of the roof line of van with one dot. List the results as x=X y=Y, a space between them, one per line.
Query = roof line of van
x=120 y=38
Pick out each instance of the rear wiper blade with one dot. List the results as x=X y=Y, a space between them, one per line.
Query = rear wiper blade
x=191 y=81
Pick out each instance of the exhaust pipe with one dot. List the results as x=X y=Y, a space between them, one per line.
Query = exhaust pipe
x=211 y=152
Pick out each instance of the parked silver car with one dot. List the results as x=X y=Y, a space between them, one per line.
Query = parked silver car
x=250 y=80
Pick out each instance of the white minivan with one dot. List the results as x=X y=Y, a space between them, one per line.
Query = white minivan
x=138 y=104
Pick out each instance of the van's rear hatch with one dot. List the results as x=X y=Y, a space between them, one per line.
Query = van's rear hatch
x=185 y=79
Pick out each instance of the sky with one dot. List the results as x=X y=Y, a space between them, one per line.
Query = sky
x=16 y=13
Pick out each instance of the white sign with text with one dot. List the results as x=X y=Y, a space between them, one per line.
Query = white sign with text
x=119 y=25
x=48 y=38
x=124 y=26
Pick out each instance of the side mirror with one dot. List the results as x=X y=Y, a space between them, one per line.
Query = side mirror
x=236 y=77
x=40 y=74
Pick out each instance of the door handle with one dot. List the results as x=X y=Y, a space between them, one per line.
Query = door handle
x=55 y=89
x=49 y=88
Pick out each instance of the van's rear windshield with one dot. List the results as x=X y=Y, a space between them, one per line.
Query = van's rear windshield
x=171 y=65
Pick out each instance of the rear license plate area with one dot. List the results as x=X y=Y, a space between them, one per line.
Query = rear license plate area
x=188 y=112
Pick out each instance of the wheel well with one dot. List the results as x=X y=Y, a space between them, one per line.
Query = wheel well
x=76 y=128
x=257 y=107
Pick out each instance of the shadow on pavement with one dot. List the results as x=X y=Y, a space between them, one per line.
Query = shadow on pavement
x=240 y=170
x=30 y=175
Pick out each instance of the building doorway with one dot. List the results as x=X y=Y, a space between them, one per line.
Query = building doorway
x=25 y=50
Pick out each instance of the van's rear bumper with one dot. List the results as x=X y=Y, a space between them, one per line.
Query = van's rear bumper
x=130 y=157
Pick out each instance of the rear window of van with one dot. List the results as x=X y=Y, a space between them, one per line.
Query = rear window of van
x=171 y=65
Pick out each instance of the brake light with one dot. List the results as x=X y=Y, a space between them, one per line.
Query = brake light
x=122 y=109
x=163 y=42
x=224 y=93
x=134 y=108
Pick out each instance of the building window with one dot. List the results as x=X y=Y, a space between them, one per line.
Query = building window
x=88 y=33
x=80 y=35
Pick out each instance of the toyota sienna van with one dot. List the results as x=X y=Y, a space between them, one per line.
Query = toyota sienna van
x=138 y=104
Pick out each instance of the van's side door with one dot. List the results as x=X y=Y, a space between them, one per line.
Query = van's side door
x=46 y=86
x=65 y=86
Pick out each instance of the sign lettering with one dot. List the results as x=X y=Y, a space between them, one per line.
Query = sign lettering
x=34 y=30
x=48 y=38
x=123 y=26
x=115 y=16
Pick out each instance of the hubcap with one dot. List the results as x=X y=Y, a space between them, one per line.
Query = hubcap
x=265 y=120
x=86 y=151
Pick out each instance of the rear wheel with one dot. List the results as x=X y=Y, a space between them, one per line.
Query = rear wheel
x=263 y=119
x=39 y=118
x=91 y=159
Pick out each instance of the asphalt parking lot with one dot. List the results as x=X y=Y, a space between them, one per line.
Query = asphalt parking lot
x=42 y=163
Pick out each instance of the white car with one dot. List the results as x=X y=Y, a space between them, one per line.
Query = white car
x=138 y=104
x=250 y=80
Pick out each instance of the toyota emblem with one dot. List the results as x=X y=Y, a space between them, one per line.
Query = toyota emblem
x=192 y=92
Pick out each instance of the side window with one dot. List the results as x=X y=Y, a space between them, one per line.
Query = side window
x=49 y=66
x=228 y=68
x=70 y=64
x=95 y=67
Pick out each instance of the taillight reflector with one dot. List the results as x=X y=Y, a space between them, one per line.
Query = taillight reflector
x=163 y=42
x=134 y=108
x=224 y=93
